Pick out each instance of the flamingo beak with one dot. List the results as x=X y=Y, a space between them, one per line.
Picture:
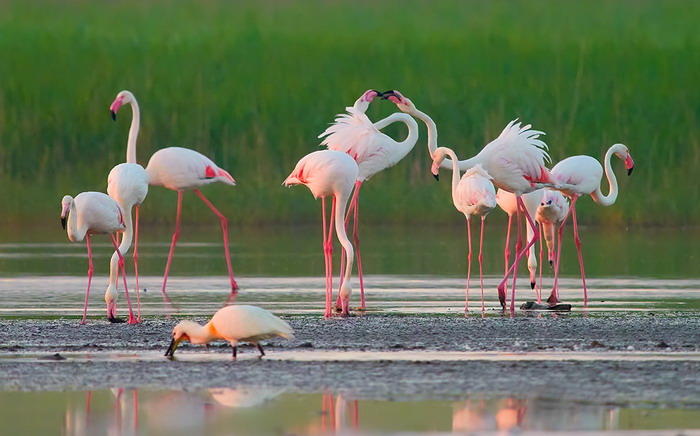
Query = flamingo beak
x=64 y=215
x=435 y=169
x=114 y=115
x=629 y=163
x=369 y=94
x=170 y=352
x=114 y=107
x=63 y=222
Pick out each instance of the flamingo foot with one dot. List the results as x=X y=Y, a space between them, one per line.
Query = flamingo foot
x=132 y=320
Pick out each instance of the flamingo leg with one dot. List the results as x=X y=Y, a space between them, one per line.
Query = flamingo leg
x=554 y=296
x=329 y=247
x=132 y=319
x=506 y=255
x=136 y=411
x=469 y=265
x=356 y=238
x=519 y=255
x=539 y=286
x=136 y=263
x=224 y=228
x=176 y=235
x=577 y=241
x=518 y=247
x=327 y=312
x=355 y=415
x=481 y=262
x=90 y=271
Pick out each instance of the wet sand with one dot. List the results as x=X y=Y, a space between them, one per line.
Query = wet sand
x=102 y=355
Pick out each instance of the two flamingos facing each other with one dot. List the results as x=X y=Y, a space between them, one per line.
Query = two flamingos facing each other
x=473 y=194
x=92 y=213
x=330 y=173
x=582 y=175
x=353 y=133
x=179 y=169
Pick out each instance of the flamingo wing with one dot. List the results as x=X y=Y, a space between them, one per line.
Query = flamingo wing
x=353 y=133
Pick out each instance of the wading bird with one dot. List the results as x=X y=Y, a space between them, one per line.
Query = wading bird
x=127 y=183
x=507 y=201
x=234 y=324
x=181 y=169
x=472 y=194
x=550 y=214
x=515 y=160
x=330 y=173
x=581 y=175
x=92 y=213
x=353 y=133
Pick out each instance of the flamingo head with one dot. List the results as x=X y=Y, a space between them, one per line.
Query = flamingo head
x=404 y=104
x=370 y=95
x=623 y=153
x=438 y=156
x=111 y=300
x=181 y=332
x=124 y=97
x=66 y=204
x=345 y=292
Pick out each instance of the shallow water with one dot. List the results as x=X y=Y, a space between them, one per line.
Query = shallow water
x=261 y=410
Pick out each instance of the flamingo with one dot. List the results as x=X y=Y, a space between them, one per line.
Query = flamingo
x=507 y=201
x=234 y=324
x=179 y=169
x=95 y=213
x=515 y=160
x=581 y=175
x=127 y=183
x=353 y=133
x=472 y=194
x=330 y=173
x=550 y=214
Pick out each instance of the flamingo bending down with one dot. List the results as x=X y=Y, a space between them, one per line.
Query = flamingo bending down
x=515 y=160
x=550 y=214
x=507 y=201
x=95 y=213
x=330 y=173
x=234 y=324
x=353 y=133
x=179 y=169
x=581 y=175
x=127 y=183
x=472 y=194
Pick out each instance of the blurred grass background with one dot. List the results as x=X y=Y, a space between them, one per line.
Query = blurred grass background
x=252 y=84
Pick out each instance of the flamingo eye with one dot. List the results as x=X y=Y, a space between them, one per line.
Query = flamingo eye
x=541 y=204
x=549 y=202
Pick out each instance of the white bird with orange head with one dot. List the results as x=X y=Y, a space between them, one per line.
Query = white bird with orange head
x=92 y=213
x=234 y=324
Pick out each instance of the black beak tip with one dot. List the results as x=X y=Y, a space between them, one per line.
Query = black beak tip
x=629 y=171
x=532 y=285
x=114 y=115
x=437 y=177
x=386 y=94
x=63 y=223
x=551 y=263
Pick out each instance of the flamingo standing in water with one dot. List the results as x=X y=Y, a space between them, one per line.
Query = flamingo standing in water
x=515 y=160
x=472 y=194
x=550 y=214
x=330 y=173
x=581 y=175
x=180 y=169
x=95 y=213
x=127 y=183
x=353 y=133
x=507 y=201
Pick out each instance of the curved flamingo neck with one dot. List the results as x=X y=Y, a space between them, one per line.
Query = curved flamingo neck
x=455 y=171
x=75 y=233
x=341 y=205
x=124 y=246
x=133 y=131
x=432 y=130
x=407 y=144
x=597 y=195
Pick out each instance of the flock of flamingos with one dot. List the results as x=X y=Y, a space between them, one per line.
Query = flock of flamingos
x=515 y=162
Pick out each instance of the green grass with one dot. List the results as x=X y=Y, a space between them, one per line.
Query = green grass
x=251 y=84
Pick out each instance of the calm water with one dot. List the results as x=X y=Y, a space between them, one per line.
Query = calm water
x=260 y=410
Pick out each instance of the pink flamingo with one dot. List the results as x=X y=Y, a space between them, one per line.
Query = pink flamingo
x=507 y=201
x=581 y=175
x=472 y=194
x=515 y=160
x=550 y=214
x=353 y=133
x=330 y=173
x=95 y=213
x=127 y=183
